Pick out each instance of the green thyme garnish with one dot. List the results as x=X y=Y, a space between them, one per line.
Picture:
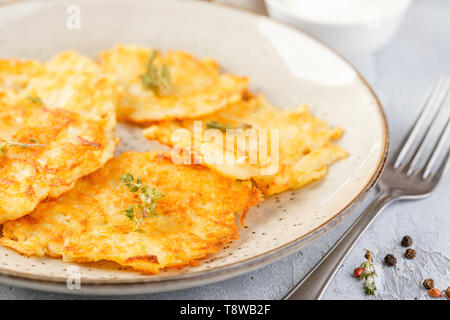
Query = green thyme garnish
x=367 y=271
x=148 y=196
x=223 y=127
x=10 y=143
x=157 y=78
x=217 y=125
x=35 y=100
x=244 y=126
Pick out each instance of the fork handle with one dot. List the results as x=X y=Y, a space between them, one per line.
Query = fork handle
x=313 y=285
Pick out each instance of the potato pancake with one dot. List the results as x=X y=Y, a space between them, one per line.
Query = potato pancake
x=304 y=143
x=192 y=87
x=44 y=151
x=55 y=127
x=15 y=74
x=76 y=83
x=194 y=218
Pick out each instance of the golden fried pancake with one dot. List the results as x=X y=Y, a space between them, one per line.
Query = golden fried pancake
x=54 y=129
x=15 y=74
x=304 y=143
x=76 y=83
x=196 y=87
x=194 y=218
x=44 y=151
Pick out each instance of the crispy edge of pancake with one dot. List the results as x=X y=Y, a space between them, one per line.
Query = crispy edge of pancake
x=15 y=74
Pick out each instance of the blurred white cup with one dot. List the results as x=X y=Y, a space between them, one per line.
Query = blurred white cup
x=351 y=26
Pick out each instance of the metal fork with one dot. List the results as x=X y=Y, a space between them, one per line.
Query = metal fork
x=406 y=176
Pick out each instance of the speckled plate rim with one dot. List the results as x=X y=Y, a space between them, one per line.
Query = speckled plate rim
x=193 y=279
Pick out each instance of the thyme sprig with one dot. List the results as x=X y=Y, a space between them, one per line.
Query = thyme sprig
x=367 y=271
x=223 y=127
x=11 y=143
x=35 y=100
x=148 y=196
x=156 y=78
x=216 y=125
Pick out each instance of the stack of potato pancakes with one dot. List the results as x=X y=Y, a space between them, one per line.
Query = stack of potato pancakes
x=62 y=193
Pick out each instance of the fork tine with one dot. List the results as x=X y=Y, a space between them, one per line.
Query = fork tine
x=443 y=166
x=420 y=147
x=436 y=150
x=413 y=130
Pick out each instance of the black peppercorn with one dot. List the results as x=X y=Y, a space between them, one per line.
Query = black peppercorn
x=410 y=253
x=406 y=241
x=428 y=284
x=390 y=260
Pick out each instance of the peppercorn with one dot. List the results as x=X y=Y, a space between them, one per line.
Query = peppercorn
x=435 y=293
x=428 y=284
x=406 y=241
x=410 y=253
x=390 y=260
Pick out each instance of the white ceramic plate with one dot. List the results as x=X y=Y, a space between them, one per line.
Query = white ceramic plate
x=288 y=65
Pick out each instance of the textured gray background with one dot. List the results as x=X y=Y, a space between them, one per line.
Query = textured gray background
x=400 y=74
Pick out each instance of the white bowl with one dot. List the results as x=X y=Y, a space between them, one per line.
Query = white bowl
x=350 y=26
